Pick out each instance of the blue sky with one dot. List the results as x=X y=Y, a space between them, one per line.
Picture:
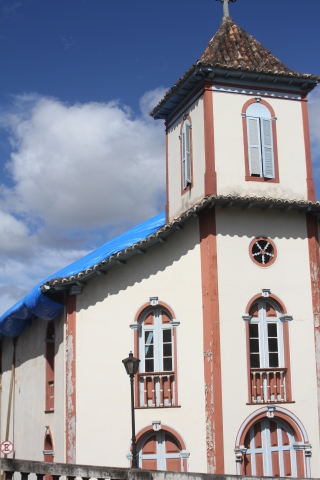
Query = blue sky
x=71 y=67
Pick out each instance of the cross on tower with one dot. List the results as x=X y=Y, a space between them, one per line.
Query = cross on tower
x=226 y=6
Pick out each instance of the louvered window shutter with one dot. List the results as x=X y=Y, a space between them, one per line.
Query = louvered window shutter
x=254 y=146
x=186 y=154
x=267 y=148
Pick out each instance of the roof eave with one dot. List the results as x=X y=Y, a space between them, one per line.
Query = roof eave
x=201 y=71
x=75 y=283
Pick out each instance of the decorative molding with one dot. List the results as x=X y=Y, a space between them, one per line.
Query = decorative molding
x=154 y=301
x=251 y=91
x=306 y=447
x=175 y=323
x=184 y=454
x=156 y=425
x=247 y=318
x=271 y=410
x=266 y=292
x=135 y=326
x=286 y=318
x=239 y=452
x=48 y=452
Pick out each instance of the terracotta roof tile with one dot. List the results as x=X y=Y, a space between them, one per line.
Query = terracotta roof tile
x=235 y=49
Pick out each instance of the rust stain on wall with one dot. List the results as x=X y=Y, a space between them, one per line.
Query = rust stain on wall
x=211 y=343
x=71 y=380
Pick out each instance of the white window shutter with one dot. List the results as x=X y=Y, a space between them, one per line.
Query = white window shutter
x=254 y=146
x=188 y=154
x=184 y=156
x=267 y=148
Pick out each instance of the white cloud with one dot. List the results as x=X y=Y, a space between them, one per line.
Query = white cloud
x=85 y=165
x=80 y=174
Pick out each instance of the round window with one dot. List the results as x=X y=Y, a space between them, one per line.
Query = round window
x=263 y=251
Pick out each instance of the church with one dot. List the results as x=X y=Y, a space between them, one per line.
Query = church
x=218 y=297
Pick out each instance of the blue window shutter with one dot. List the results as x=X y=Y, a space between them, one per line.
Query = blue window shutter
x=267 y=148
x=254 y=146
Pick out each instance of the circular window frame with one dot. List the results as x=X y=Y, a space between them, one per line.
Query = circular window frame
x=274 y=247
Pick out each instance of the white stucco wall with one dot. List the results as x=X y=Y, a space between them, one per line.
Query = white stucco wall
x=106 y=308
x=28 y=419
x=289 y=279
x=229 y=148
x=180 y=203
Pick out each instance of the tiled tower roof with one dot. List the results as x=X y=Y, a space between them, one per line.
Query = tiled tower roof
x=232 y=48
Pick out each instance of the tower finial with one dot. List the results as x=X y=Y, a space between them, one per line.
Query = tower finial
x=226 y=7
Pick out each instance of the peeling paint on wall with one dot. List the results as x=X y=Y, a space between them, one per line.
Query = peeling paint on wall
x=211 y=343
x=314 y=259
x=71 y=380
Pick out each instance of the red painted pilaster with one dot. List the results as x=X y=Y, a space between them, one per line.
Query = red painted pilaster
x=306 y=132
x=211 y=342
x=314 y=259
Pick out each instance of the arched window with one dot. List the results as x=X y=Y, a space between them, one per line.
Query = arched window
x=260 y=141
x=156 y=348
x=269 y=450
x=268 y=352
x=161 y=450
x=273 y=442
x=186 y=153
x=49 y=356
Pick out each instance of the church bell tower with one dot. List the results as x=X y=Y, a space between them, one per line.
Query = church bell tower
x=237 y=125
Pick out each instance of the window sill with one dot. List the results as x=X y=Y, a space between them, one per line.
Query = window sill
x=271 y=402
x=163 y=406
x=49 y=411
x=187 y=189
x=261 y=179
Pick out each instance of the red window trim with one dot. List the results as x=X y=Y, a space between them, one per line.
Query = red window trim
x=144 y=431
x=188 y=188
x=275 y=252
x=138 y=315
x=286 y=348
x=289 y=419
x=50 y=361
x=248 y=177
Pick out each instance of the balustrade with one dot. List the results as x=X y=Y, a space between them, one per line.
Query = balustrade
x=268 y=385
x=156 y=389
x=21 y=469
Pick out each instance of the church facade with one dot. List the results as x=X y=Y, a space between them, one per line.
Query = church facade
x=220 y=301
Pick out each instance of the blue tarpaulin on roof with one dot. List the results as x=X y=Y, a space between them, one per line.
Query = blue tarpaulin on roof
x=37 y=305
